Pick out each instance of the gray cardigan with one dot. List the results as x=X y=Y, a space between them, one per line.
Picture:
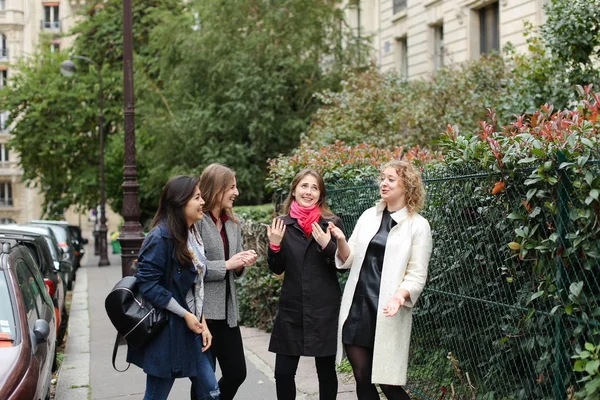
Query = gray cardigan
x=214 y=281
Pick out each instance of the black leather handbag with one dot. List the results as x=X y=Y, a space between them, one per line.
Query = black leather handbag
x=135 y=319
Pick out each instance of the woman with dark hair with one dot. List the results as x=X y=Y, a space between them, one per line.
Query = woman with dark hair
x=173 y=248
x=388 y=255
x=301 y=245
x=225 y=261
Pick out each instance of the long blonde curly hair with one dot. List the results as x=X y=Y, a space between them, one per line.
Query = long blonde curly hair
x=410 y=178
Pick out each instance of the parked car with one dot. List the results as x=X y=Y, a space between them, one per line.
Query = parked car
x=65 y=268
x=63 y=236
x=27 y=326
x=78 y=242
x=40 y=250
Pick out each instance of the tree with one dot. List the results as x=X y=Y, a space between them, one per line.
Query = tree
x=55 y=129
x=238 y=80
x=55 y=118
x=565 y=54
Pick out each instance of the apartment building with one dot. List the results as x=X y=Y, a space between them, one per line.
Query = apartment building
x=24 y=24
x=417 y=37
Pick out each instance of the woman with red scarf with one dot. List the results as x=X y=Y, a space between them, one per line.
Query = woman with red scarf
x=301 y=245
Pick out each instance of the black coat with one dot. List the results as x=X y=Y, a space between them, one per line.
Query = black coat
x=309 y=303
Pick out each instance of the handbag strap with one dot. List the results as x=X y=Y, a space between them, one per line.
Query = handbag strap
x=114 y=356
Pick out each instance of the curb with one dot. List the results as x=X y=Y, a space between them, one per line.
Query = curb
x=73 y=380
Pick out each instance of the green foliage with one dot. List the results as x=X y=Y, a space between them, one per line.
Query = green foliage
x=573 y=38
x=237 y=83
x=386 y=110
x=260 y=213
x=55 y=128
x=566 y=54
x=588 y=362
x=338 y=162
x=513 y=286
x=258 y=290
x=55 y=118
x=538 y=212
x=344 y=366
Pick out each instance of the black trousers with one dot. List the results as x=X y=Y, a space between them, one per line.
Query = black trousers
x=285 y=377
x=227 y=348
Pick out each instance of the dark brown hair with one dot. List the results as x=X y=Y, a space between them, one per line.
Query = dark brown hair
x=287 y=204
x=173 y=199
x=214 y=181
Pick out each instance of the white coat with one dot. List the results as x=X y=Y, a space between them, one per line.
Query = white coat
x=405 y=262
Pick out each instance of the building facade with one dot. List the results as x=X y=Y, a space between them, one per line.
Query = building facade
x=24 y=24
x=417 y=37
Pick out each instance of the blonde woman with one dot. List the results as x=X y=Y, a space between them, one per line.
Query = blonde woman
x=388 y=254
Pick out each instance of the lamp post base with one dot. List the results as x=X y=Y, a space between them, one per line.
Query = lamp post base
x=103 y=247
x=130 y=247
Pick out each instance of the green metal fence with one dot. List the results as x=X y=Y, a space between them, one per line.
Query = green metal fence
x=477 y=333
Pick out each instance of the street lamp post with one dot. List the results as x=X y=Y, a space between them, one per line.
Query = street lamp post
x=68 y=68
x=131 y=236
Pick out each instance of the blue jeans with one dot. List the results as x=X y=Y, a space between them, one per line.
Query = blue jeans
x=205 y=382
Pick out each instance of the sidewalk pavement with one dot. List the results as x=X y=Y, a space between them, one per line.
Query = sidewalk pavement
x=87 y=372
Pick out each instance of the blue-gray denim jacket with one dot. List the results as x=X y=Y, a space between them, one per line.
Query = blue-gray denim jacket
x=167 y=355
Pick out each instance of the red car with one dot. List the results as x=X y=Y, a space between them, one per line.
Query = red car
x=27 y=326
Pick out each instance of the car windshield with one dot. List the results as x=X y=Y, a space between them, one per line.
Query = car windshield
x=60 y=233
x=52 y=247
x=76 y=233
x=7 y=318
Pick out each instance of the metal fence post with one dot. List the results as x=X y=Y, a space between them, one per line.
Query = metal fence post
x=560 y=335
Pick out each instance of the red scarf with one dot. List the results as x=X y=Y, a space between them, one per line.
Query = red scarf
x=305 y=216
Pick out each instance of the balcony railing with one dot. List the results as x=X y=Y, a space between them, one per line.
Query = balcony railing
x=399 y=5
x=50 y=25
x=6 y=202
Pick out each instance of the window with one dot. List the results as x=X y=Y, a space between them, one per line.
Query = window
x=3 y=47
x=30 y=292
x=2 y=4
x=3 y=78
x=6 y=199
x=489 y=34
x=398 y=6
x=51 y=20
x=3 y=120
x=7 y=317
x=402 y=56
x=54 y=47
x=438 y=46
x=4 y=152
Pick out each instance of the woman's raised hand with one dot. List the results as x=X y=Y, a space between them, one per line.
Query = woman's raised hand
x=336 y=232
x=276 y=231
x=323 y=238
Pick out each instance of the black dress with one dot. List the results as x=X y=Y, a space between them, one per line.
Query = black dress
x=359 y=328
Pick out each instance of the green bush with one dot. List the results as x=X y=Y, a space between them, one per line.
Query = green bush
x=258 y=289
x=340 y=163
x=260 y=213
x=386 y=110
x=513 y=287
